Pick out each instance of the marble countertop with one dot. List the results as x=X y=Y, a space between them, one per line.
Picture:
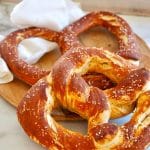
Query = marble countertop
x=12 y=136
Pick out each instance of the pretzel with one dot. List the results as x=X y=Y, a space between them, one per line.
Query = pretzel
x=8 y=49
x=65 y=84
x=128 y=46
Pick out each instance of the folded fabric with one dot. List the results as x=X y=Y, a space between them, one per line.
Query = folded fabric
x=52 y=14
x=5 y=75
x=32 y=49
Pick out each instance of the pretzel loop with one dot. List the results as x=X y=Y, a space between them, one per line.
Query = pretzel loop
x=128 y=46
x=8 y=49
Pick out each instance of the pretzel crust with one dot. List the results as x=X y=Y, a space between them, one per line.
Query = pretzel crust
x=65 y=84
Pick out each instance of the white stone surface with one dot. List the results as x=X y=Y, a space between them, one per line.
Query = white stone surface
x=141 y=26
x=12 y=137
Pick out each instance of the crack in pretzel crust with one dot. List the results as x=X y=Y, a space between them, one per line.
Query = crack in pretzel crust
x=65 y=83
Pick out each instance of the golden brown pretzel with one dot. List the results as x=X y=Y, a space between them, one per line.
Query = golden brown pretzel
x=8 y=49
x=128 y=46
x=65 y=84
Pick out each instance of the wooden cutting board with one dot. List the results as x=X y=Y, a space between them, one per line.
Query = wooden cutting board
x=14 y=91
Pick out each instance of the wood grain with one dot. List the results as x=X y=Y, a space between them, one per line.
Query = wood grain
x=14 y=91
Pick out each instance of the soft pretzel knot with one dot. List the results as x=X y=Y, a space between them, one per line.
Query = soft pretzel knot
x=65 y=83
x=8 y=49
x=128 y=46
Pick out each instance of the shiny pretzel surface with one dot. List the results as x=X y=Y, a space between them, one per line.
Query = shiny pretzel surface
x=66 y=85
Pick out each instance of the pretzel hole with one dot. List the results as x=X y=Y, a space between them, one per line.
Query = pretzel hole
x=82 y=125
x=77 y=126
x=30 y=48
x=72 y=121
x=122 y=120
x=99 y=37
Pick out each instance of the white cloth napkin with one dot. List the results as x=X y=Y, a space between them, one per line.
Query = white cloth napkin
x=5 y=75
x=32 y=49
x=52 y=14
